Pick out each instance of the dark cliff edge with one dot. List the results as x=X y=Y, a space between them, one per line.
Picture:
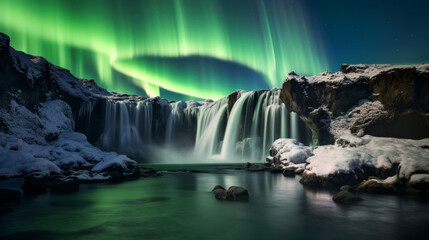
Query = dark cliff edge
x=379 y=100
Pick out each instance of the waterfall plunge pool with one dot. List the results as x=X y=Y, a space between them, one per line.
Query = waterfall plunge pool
x=179 y=205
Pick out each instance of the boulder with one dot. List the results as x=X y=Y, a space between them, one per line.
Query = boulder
x=234 y=193
x=220 y=192
x=289 y=172
x=346 y=196
x=374 y=186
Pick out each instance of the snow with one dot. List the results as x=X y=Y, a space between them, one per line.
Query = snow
x=419 y=178
x=113 y=159
x=70 y=151
x=362 y=71
x=351 y=153
x=333 y=160
x=22 y=123
x=290 y=150
x=24 y=148
x=56 y=116
x=377 y=152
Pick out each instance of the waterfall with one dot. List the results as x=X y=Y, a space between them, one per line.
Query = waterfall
x=210 y=129
x=181 y=121
x=233 y=126
x=127 y=127
x=83 y=116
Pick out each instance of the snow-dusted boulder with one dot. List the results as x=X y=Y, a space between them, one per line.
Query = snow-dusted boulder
x=345 y=164
x=288 y=156
x=290 y=151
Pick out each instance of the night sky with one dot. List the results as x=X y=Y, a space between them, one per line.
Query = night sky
x=193 y=49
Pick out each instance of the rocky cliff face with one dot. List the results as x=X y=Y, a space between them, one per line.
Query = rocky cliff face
x=379 y=100
x=37 y=102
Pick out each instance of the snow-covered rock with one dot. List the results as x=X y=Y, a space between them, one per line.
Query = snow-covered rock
x=70 y=152
x=290 y=151
x=353 y=159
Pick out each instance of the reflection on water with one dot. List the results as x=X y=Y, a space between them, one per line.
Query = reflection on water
x=181 y=206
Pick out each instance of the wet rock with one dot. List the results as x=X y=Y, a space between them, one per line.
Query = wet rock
x=233 y=193
x=340 y=179
x=255 y=168
x=220 y=192
x=373 y=186
x=149 y=172
x=232 y=98
x=345 y=196
x=289 y=172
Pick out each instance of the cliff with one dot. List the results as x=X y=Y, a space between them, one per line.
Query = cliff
x=379 y=100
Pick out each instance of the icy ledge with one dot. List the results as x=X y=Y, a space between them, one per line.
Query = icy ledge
x=367 y=160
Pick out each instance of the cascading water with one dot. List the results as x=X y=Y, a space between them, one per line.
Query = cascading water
x=255 y=121
x=233 y=126
x=181 y=118
x=127 y=127
x=209 y=129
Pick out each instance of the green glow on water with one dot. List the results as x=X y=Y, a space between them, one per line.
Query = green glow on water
x=107 y=40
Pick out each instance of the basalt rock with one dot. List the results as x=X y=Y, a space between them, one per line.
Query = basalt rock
x=396 y=96
x=233 y=193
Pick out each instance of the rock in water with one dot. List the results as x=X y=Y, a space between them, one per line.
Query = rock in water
x=237 y=194
x=346 y=195
x=220 y=192
x=234 y=193
x=289 y=172
x=373 y=186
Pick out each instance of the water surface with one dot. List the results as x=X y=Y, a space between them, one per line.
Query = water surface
x=179 y=205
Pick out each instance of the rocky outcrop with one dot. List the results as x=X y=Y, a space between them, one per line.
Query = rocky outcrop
x=366 y=99
x=38 y=101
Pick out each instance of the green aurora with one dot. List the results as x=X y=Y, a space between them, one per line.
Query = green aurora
x=141 y=47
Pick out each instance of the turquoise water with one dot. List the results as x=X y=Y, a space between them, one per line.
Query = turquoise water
x=179 y=205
